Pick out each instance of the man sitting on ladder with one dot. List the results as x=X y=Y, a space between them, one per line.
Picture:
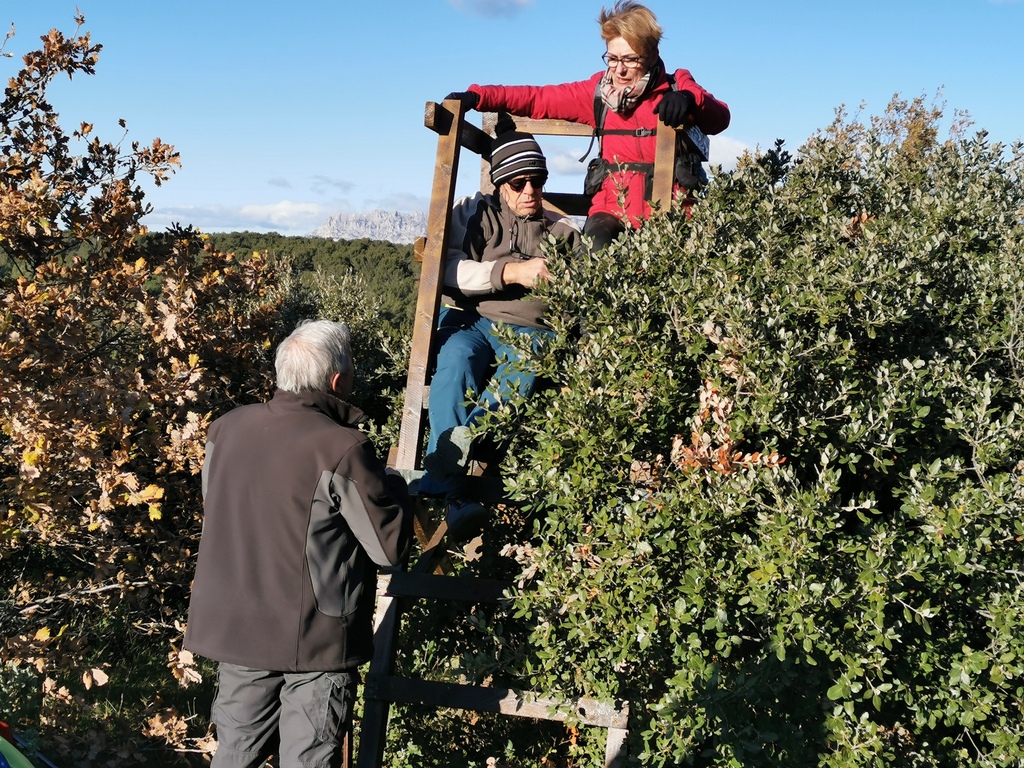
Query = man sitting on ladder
x=493 y=262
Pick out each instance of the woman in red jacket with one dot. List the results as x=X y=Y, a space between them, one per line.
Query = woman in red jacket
x=635 y=91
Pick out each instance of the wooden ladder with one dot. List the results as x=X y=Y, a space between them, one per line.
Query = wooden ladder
x=428 y=578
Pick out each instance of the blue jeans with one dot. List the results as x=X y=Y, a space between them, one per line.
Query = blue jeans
x=468 y=347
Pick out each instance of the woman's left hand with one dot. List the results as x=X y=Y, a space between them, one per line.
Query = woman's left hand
x=469 y=99
x=674 y=107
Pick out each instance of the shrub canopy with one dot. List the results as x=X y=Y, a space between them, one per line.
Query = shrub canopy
x=779 y=481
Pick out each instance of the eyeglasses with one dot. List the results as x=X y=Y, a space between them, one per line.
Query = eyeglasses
x=519 y=184
x=629 y=62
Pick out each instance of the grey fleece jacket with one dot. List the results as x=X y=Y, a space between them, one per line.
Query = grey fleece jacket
x=486 y=235
x=298 y=515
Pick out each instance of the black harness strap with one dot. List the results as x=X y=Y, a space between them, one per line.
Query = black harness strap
x=688 y=171
x=601 y=111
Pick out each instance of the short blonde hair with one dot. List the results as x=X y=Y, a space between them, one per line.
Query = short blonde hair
x=635 y=24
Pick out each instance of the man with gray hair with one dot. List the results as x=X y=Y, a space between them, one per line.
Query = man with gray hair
x=299 y=513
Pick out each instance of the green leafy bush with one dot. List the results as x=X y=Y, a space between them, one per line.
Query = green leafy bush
x=779 y=481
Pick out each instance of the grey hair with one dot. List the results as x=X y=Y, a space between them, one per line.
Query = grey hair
x=308 y=359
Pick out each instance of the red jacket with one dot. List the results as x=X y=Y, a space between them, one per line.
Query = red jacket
x=575 y=102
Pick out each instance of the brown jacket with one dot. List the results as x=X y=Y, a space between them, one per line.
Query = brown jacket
x=486 y=235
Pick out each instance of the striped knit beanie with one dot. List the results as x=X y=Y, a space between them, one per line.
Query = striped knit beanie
x=514 y=154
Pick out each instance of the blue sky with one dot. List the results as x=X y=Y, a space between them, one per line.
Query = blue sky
x=288 y=112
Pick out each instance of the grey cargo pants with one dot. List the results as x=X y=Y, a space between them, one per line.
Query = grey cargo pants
x=302 y=717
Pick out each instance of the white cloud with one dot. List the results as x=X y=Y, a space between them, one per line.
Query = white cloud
x=324 y=184
x=287 y=214
x=279 y=182
x=286 y=217
x=567 y=163
x=491 y=7
x=725 y=152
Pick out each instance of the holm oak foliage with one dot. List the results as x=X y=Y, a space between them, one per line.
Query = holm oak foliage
x=778 y=490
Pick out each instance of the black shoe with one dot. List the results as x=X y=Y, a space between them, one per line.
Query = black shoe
x=451 y=456
x=465 y=518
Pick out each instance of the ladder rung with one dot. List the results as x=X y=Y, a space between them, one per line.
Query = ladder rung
x=500 y=700
x=447 y=587
x=568 y=203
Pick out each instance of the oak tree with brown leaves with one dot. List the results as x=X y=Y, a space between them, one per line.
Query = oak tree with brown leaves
x=116 y=351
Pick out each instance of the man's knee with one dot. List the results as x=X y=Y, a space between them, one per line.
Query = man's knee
x=316 y=715
x=245 y=712
x=463 y=356
x=602 y=228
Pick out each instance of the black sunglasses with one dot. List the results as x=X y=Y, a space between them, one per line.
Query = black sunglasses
x=518 y=185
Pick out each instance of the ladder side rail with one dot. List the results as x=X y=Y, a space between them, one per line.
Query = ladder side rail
x=437 y=587
x=664 y=167
x=446 y=120
x=374 y=725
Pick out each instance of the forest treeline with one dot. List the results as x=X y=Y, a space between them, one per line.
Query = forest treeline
x=387 y=269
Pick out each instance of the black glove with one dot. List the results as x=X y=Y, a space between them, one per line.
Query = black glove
x=468 y=98
x=674 y=107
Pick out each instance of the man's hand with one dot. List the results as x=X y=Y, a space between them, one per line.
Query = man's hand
x=469 y=99
x=525 y=273
x=674 y=107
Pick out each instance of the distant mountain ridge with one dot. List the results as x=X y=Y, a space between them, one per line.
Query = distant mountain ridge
x=392 y=226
